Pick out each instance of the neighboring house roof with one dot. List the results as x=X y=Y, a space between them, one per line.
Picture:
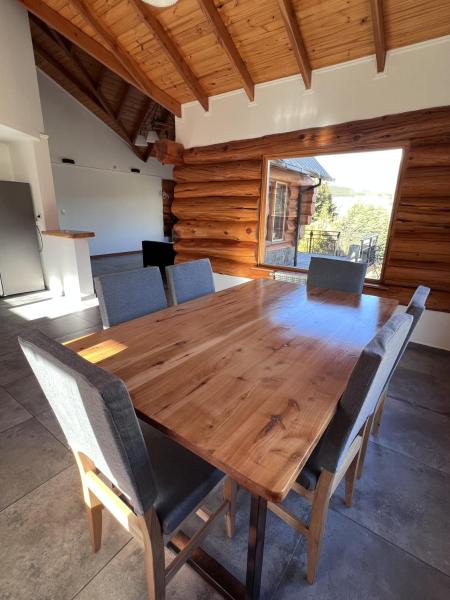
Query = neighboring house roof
x=307 y=165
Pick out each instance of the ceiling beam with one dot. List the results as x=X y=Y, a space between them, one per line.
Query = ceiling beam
x=54 y=20
x=296 y=39
x=169 y=47
x=64 y=76
x=376 y=7
x=76 y=62
x=224 y=38
x=150 y=89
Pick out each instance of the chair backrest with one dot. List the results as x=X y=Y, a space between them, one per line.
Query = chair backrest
x=95 y=412
x=129 y=294
x=415 y=308
x=362 y=393
x=336 y=274
x=190 y=280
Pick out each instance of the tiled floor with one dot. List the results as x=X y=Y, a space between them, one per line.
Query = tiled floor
x=394 y=543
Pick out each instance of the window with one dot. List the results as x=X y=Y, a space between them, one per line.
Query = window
x=277 y=215
x=336 y=205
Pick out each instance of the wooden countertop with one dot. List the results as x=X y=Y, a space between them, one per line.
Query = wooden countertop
x=67 y=233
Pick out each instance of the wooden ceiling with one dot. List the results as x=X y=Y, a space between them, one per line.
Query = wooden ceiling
x=126 y=110
x=198 y=48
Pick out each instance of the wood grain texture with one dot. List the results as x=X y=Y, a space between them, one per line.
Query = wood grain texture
x=247 y=378
x=333 y=32
x=419 y=249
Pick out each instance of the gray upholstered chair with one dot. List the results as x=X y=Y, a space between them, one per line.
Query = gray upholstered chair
x=336 y=274
x=337 y=453
x=153 y=482
x=129 y=294
x=415 y=308
x=190 y=280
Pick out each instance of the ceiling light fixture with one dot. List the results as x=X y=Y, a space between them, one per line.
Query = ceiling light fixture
x=160 y=3
x=152 y=137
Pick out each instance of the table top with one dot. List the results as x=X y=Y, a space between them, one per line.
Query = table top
x=247 y=378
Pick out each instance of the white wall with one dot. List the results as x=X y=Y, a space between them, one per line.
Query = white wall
x=100 y=193
x=6 y=172
x=19 y=98
x=416 y=77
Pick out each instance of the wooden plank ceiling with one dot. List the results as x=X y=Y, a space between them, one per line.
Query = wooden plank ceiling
x=125 y=109
x=198 y=48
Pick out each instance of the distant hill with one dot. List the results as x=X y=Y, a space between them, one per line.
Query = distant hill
x=341 y=191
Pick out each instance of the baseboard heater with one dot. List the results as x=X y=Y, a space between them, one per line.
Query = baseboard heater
x=290 y=277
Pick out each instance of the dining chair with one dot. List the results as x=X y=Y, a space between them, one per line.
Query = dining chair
x=416 y=308
x=336 y=274
x=129 y=294
x=337 y=454
x=148 y=482
x=190 y=280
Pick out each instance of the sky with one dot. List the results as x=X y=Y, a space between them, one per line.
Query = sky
x=364 y=171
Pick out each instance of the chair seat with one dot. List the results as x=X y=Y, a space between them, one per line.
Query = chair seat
x=308 y=478
x=183 y=479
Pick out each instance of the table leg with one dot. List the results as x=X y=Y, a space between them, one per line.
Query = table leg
x=255 y=553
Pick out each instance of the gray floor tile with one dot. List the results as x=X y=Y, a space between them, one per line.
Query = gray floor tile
x=11 y=412
x=424 y=359
x=355 y=565
x=114 y=264
x=45 y=551
x=13 y=366
x=50 y=422
x=426 y=390
x=280 y=541
x=124 y=579
x=28 y=393
x=30 y=455
x=62 y=326
x=416 y=432
x=405 y=502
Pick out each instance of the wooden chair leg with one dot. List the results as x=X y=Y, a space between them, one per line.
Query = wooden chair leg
x=379 y=414
x=364 y=445
x=317 y=523
x=153 y=555
x=230 y=494
x=350 y=479
x=93 y=506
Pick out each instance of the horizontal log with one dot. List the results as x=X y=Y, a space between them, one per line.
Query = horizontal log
x=424 y=215
x=437 y=300
x=240 y=251
x=246 y=170
x=433 y=155
x=228 y=267
x=218 y=230
x=419 y=260
x=430 y=202
x=426 y=182
x=216 y=209
x=168 y=152
x=357 y=135
x=215 y=188
x=409 y=245
x=437 y=279
x=421 y=232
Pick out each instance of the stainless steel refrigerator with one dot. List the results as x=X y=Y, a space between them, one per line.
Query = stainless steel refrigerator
x=20 y=262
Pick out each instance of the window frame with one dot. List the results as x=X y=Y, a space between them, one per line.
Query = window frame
x=272 y=214
x=318 y=151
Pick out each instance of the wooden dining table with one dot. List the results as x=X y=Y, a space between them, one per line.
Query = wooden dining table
x=247 y=378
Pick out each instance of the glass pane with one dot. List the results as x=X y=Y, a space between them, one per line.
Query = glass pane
x=339 y=205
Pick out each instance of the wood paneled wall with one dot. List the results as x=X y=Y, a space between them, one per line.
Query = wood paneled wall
x=219 y=187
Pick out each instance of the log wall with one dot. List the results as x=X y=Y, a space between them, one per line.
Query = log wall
x=219 y=187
